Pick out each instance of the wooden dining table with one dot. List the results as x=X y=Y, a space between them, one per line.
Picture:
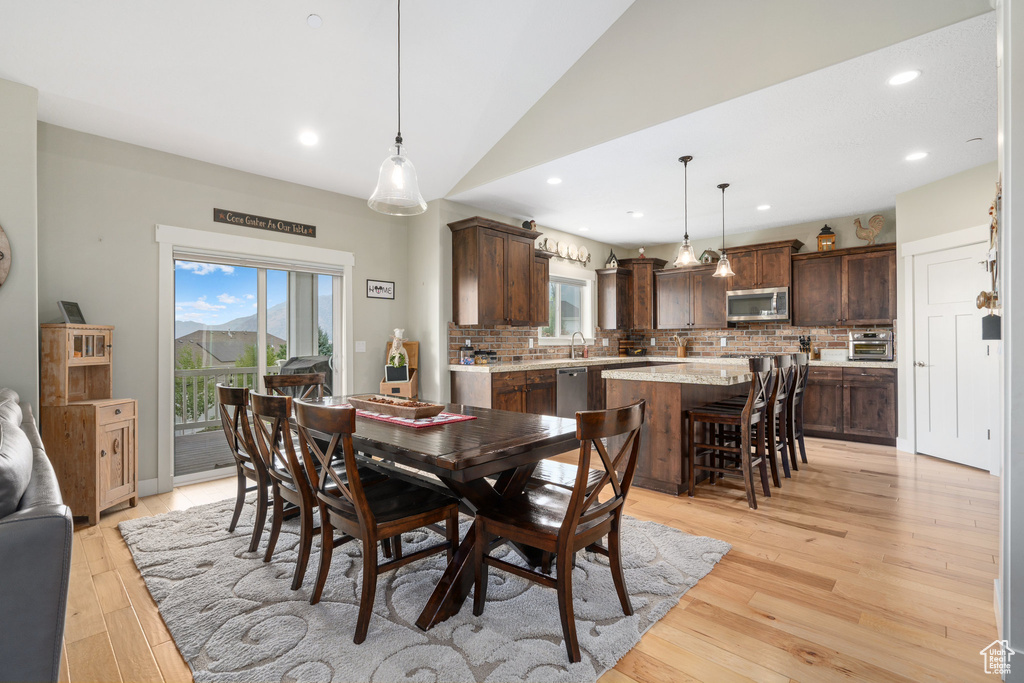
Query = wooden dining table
x=466 y=456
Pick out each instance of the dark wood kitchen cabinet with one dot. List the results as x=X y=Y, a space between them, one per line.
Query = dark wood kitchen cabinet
x=494 y=273
x=690 y=298
x=854 y=286
x=758 y=266
x=522 y=391
x=539 y=297
x=856 y=404
x=614 y=298
x=540 y=391
x=644 y=295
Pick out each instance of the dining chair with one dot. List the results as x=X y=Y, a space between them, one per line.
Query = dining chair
x=778 y=430
x=795 y=413
x=250 y=466
x=743 y=448
x=304 y=386
x=382 y=510
x=561 y=522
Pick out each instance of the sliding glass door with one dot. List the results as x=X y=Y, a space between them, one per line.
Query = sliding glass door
x=235 y=322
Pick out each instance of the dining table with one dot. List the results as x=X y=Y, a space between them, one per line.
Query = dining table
x=479 y=461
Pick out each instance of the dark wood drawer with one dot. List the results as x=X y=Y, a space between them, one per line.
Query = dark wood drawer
x=114 y=412
x=507 y=380
x=541 y=376
x=822 y=375
x=869 y=376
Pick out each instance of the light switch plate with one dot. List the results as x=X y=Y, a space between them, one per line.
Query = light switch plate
x=723 y=342
x=652 y=341
x=360 y=347
x=604 y=342
x=531 y=342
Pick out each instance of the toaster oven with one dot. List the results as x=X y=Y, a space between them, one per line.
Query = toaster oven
x=871 y=345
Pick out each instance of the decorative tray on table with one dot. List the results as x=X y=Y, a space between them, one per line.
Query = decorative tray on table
x=396 y=407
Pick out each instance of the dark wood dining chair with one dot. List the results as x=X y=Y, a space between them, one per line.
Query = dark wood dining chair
x=778 y=417
x=250 y=466
x=386 y=509
x=561 y=522
x=733 y=434
x=305 y=386
x=795 y=414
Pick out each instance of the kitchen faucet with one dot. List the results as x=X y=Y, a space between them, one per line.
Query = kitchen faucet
x=572 y=343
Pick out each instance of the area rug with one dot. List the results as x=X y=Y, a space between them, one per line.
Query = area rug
x=234 y=617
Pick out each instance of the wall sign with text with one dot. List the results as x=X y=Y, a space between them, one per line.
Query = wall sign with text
x=263 y=223
x=380 y=289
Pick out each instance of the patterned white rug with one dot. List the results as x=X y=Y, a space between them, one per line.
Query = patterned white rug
x=234 y=617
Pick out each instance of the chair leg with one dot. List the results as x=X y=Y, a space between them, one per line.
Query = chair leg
x=565 y=610
x=326 y=550
x=239 y=498
x=615 y=562
x=396 y=544
x=768 y=425
x=305 y=547
x=385 y=546
x=762 y=453
x=692 y=451
x=799 y=428
x=452 y=529
x=369 y=592
x=545 y=561
x=275 y=525
x=748 y=482
x=261 y=517
x=782 y=434
x=791 y=439
x=480 y=565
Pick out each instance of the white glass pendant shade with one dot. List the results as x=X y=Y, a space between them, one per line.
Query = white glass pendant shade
x=724 y=269
x=686 y=256
x=398 y=190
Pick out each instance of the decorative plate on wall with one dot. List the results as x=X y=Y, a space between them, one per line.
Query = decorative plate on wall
x=584 y=254
x=5 y=256
x=563 y=249
x=574 y=253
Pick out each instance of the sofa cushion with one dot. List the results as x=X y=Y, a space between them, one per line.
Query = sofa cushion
x=10 y=410
x=15 y=466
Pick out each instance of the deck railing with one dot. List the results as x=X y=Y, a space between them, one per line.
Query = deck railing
x=195 y=395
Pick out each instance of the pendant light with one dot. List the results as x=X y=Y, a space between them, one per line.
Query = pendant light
x=398 y=191
x=723 y=269
x=686 y=256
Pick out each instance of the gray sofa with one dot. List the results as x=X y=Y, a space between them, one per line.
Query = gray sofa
x=35 y=550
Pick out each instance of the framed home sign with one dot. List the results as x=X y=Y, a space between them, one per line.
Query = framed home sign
x=380 y=289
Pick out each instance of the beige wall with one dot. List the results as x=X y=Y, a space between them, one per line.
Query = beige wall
x=19 y=324
x=954 y=203
x=99 y=201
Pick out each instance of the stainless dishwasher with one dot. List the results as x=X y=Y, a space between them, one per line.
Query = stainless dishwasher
x=572 y=392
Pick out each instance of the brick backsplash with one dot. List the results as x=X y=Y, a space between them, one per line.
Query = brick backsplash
x=512 y=343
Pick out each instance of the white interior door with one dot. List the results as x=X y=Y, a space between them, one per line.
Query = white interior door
x=954 y=377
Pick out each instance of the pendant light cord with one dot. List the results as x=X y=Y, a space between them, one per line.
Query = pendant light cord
x=722 y=187
x=686 y=202
x=398 y=138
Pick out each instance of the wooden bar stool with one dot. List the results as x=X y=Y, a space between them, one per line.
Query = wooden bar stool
x=778 y=416
x=744 y=450
x=795 y=413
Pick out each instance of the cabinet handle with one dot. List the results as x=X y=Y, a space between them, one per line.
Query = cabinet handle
x=117 y=412
x=103 y=454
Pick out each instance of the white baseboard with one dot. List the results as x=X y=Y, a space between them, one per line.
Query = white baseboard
x=997 y=600
x=905 y=445
x=148 y=487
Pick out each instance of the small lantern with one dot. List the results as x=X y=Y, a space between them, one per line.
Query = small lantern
x=826 y=239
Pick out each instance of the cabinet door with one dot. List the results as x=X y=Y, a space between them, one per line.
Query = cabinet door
x=674 y=299
x=817 y=291
x=508 y=391
x=773 y=267
x=540 y=391
x=492 y=273
x=708 y=307
x=615 y=299
x=744 y=264
x=869 y=288
x=869 y=409
x=823 y=401
x=539 y=296
x=116 y=461
x=519 y=260
x=643 y=296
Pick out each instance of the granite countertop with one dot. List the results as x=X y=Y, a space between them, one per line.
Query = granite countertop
x=719 y=374
x=545 y=363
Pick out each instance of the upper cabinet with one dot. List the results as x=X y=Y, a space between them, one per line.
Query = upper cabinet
x=759 y=266
x=496 y=276
x=614 y=298
x=539 y=303
x=644 y=296
x=854 y=286
x=690 y=298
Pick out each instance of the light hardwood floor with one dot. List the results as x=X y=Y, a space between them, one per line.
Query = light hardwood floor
x=869 y=564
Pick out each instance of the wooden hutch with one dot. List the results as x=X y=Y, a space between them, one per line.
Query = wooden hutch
x=89 y=436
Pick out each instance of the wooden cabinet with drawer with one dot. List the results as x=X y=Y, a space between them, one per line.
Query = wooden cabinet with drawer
x=532 y=391
x=853 y=403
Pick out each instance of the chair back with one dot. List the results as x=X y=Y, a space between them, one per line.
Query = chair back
x=234 y=419
x=270 y=415
x=591 y=427
x=785 y=372
x=801 y=362
x=305 y=386
x=762 y=383
x=337 y=424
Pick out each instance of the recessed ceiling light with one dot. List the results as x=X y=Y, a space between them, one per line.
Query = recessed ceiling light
x=554 y=181
x=916 y=156
x=904 y=77
x=308 y=138
x=635 y=214
x=764 y=207
x=314 y=21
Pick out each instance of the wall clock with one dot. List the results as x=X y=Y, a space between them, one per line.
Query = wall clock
x=5 y=256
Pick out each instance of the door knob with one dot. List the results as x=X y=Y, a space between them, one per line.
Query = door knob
x=919 y=364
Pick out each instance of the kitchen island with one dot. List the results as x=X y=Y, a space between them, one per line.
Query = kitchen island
x=670 y=390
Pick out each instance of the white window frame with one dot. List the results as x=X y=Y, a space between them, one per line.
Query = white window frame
x=559 y=270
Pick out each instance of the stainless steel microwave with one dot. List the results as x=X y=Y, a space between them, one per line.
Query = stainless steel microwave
x=746 y=305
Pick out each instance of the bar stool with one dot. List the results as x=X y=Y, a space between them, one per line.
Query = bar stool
x=795 y=414
x=748 y=421
x=778 y=416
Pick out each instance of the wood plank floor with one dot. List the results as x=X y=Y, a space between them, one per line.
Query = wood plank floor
x=869 y=564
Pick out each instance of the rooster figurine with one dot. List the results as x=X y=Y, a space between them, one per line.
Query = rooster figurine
x=875 y=225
